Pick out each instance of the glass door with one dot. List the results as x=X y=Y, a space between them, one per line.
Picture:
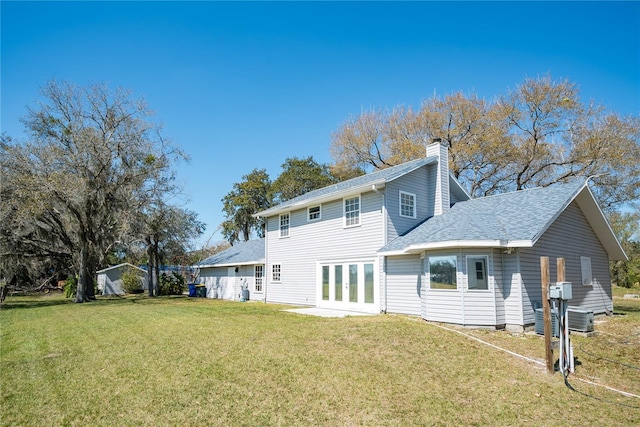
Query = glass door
x=347 y=286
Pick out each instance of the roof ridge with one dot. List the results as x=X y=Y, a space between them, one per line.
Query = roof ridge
x=530 y=189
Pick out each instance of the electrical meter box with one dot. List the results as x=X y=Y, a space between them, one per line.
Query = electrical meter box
x=561 y=290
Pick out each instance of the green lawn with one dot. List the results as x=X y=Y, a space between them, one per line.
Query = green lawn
x=183 y=361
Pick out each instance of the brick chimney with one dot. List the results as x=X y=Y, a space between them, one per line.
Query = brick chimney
x=439 y=150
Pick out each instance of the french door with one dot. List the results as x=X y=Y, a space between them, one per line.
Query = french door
x=348 y=285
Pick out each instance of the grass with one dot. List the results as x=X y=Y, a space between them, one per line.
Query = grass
x=185 y=361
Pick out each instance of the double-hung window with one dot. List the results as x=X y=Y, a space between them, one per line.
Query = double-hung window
x=407 y=204
x=258 y=276
x=275 y=272
x=352 y=211
x=284 y=225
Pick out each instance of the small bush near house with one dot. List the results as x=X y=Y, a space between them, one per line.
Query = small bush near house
x=131 y=282
x=172 y=284
x=70 y=287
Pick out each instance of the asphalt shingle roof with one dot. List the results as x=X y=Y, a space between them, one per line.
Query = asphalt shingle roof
x=250 y=252
x=383 y=175
x=517 y=216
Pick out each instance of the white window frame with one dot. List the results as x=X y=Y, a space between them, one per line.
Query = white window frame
x=587 y=272
x=319 y=213
x=258 y=274
x=413 y=205
x=276 y=273
x=285 y=230
x=486 y=272
x=358 y=212
x=444 y=255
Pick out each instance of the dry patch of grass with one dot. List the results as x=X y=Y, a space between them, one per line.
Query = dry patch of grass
x=185 y=361
x=609 y=359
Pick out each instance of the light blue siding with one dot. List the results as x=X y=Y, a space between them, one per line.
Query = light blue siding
x=324 y=240
x=569 y=237
x=416 y=182
x=404 y=276
x=512 y=288
x=219 y=284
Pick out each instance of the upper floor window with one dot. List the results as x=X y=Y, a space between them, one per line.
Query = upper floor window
x=352 y=211
x=313 y=213
x=284 y=225
x=407 y=204
x=258 y=275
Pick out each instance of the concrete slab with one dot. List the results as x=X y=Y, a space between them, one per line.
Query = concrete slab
x=326 y=312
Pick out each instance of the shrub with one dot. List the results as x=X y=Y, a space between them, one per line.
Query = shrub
x=70 y=287
x=131 y=282
x=173 y=284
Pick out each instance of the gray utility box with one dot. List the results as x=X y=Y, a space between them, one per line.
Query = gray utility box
x=580 y=320
x=539 y=325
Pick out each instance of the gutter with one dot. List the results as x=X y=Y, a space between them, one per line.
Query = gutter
x=417 y=248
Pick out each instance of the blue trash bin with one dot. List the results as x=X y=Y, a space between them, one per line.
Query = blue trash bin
x=192 y=289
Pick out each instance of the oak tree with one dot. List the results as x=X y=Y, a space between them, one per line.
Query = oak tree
x=90 y=157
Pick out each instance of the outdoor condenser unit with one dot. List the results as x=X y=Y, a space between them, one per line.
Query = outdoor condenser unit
x=580 y=320
x=539 y=325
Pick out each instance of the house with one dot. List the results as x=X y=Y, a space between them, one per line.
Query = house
x=409 y=239
x=239 y=267
x=110 y=279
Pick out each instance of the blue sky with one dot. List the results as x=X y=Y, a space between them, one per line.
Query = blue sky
x=245 y=85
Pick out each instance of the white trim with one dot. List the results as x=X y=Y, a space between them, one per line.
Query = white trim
x=288 y=215
x=255 y=278
x=279 y=273
x=486 y=272
x=319 y=213
x=360 y=306
x=330 y=197
x=120 y=265
x=414 y=207
x=412 y=249
x=344 y=212
x=233 y=264
x=428 y=272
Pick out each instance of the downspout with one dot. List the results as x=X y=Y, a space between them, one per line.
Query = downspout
x=520 y=299
x=460 y=256
x=266 y=255
x=383 y=212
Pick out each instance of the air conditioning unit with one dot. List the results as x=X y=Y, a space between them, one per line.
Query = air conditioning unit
x=539 y=325
x=580 y=320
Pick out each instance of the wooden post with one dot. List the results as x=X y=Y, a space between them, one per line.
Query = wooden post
x=544 y=275
x=560 y=272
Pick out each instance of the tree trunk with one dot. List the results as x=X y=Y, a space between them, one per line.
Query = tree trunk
x=90 y=293
x=151 y=268
x=81 y=295
x=156 y=265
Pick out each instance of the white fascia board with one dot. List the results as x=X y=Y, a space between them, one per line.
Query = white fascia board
x=121 y=265
x=347 y=192
x=231 y=264
x=417 y=248
x=594 y=215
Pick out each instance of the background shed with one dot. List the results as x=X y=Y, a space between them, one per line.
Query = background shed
x=110 y=279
